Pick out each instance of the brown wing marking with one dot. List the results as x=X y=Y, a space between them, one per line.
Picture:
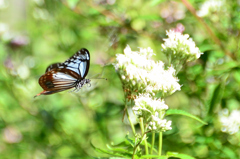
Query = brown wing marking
x=57 y=80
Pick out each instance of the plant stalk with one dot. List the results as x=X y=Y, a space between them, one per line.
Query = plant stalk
x=160 y=144
x=153 y=141
x=144 y=135
x=129 y=119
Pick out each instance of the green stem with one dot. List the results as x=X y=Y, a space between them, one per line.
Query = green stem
x=160 y=144
x=129 y=119
x=144 y=135
x=161 y=115
x=137 y=146
x=153 y=140
x=169 y=60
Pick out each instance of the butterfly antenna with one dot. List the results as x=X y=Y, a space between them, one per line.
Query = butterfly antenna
x=99 y=78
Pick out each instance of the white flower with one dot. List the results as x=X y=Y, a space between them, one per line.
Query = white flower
x=148 y=52
x=163 y=80
x=210 y=6
x=140 y=59
x=139 y=72
x=230 y=122
x=180 y=47
x=158 y=124
x=121 y=61
x=146 y=106
x=127 y=50
x=152 y=111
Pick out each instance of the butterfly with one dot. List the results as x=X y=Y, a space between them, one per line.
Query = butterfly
x=69 y=74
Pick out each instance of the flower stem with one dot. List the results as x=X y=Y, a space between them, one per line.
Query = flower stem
x=137 y=146
x=129 y=119
x=160 y=144
x=144 y=135
x=153 y=140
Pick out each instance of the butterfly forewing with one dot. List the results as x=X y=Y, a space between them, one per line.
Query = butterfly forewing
x=79 y=63
x=63 y=76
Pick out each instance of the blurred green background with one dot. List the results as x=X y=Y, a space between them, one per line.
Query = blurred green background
x=35 y=34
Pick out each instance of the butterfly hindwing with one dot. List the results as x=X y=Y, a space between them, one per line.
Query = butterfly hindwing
x=58 y=80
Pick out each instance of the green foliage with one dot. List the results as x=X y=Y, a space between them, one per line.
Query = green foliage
x=35 y=34
x=181 y=112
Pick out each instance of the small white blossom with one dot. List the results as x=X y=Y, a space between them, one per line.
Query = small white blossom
x=210 y=6
x=123 y=77
x=230 y=122
x=146 y=103
x=158 y=124
x=148 y=52
x=140 y=59
x=180 y=47
x=152 y=111
x=145 y=106
x=162 y=79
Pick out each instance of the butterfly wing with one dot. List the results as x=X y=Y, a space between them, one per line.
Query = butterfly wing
x=63 y=76
x=57 y=80
x=79 y=63
x=52 y=66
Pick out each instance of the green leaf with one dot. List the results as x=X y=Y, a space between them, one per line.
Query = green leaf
x=119 y=149
x=175 y=154
x=181 y=112
x=225 y=68
x=230 y=153
x=127 y=143
x=129 y=140
x=217 y=95
x=154 y=156
x=112 y=153
x=236 y=75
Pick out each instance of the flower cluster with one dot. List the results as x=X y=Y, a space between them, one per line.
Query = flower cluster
x=152 y=111
x=229 y=121
x=139 y=73
x=180 y=48
x=147 y=82
x=144 y=105
x=158 y=124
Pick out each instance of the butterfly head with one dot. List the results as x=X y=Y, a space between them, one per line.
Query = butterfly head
x=81 y=83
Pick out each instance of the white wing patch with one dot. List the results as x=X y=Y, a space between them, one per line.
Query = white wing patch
x=63 y=80
x=82 y=68
x=73 y=66
x=78 y=63
x=63 y=76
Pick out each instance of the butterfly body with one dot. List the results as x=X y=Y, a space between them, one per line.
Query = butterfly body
x=69 y=74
